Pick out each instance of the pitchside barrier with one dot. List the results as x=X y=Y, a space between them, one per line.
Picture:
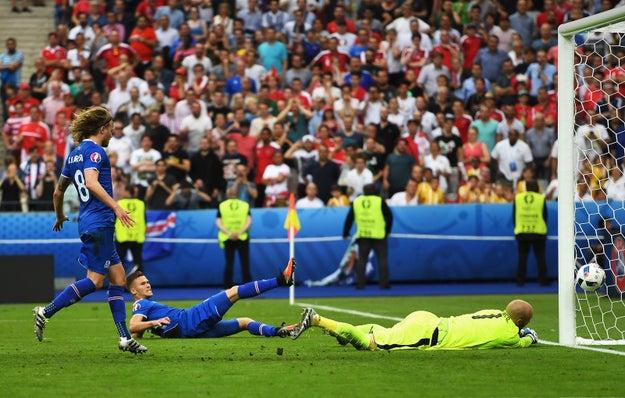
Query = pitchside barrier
x=470 y=242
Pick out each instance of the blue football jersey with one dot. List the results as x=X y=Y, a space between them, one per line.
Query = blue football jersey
x=153 y=310
x=93 y=212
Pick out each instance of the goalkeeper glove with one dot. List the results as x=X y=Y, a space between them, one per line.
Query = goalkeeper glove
x=531 y=333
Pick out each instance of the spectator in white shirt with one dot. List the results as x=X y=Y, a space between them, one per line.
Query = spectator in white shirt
x=194 y=127
x=120 y=94
x=405 y=198
x=199 y=57
x=183 y=106
x=439 y=164
x=327 y=90
x=512 y=156
x=165 y=35
x=347 y=104
x=135 y=130
x=310 y=201
x=275 y=179
x=143 y=164
x=122 y=145
x=358 y=177
x=615 y=186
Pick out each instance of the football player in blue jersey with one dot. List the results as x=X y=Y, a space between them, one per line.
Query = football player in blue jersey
x=206 y=318
x=89 y=169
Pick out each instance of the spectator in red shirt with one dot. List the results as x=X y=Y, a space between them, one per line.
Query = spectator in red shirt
x=246 y=143
x=357 y=91
x=470 y=44
x=148 y=8
x=81 y=6
x=60 y=132
x=337 y=152
x=11 y=128
x=549 y=12
x=297 y=92
x=264 y=157
x=143 y=40
x=447 y=48
x=414 y=57
x=23 y=95
x=53 y=55
x=462 y=121
x=523 y=110
x=33 y=133
x=325 y=58
x=108 y=56
x=339 y=13
x=546 y=106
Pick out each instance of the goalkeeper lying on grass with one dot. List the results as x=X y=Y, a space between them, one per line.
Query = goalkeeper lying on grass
x=205 y=318
x=424 y=330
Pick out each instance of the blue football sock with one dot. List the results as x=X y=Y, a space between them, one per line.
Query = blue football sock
x=255 y=288
x=260 y=329
x=118 y=309
x=70 y=295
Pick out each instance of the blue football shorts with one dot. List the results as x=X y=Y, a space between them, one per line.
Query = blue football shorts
x=98 y=250
x=205 y=319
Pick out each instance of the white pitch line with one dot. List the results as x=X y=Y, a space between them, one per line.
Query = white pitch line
x=351 y=312
x=372 y=315
x=583 y=347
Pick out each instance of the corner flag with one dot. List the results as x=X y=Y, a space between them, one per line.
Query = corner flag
x=291 y=224
x=292 y=221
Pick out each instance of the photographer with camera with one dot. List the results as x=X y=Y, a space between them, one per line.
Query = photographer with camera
x=241 y=187
x=45 y=187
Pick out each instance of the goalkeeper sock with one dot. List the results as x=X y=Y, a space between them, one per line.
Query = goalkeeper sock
x=326 y=323
x=252 y=289
x=261 y=329
x=118 y=309
x=355 y=337
x=70 y=295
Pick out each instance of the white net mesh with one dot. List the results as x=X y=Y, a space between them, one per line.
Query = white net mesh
x=600 y=213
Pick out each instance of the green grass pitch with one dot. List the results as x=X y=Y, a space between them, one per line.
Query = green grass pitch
x=79 y=356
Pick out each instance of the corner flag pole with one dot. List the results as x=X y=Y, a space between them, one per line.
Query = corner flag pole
x=291 y=255
x=291 y=224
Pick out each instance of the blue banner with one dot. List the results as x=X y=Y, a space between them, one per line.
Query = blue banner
x=471 y=242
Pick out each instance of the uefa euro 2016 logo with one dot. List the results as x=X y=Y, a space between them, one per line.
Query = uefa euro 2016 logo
x=95 y=157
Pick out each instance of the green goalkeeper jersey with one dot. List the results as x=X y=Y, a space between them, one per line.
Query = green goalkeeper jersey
x=480 y=330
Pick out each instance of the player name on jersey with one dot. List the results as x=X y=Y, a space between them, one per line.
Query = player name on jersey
x=74 y=159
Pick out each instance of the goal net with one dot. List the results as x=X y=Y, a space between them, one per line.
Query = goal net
x=591 y=155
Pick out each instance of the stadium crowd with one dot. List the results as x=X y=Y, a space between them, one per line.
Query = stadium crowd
x=433 y=101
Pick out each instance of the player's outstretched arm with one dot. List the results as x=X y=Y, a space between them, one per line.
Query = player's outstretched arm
x=138 y=324
x=94 y=186
x=57 y=200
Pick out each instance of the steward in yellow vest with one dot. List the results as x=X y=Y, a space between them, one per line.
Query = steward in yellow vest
x=374 y=220
x=529 y=217
x=234 y=221
x=132 y=238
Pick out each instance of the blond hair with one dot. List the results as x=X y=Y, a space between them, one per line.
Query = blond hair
x=87 y=122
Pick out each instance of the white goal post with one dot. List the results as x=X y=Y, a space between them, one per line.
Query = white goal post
x=567 y=168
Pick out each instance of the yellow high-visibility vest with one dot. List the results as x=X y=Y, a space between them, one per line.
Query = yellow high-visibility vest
x=136 y=233
x=369 y=219
x=233 y=217
x=528 y=214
